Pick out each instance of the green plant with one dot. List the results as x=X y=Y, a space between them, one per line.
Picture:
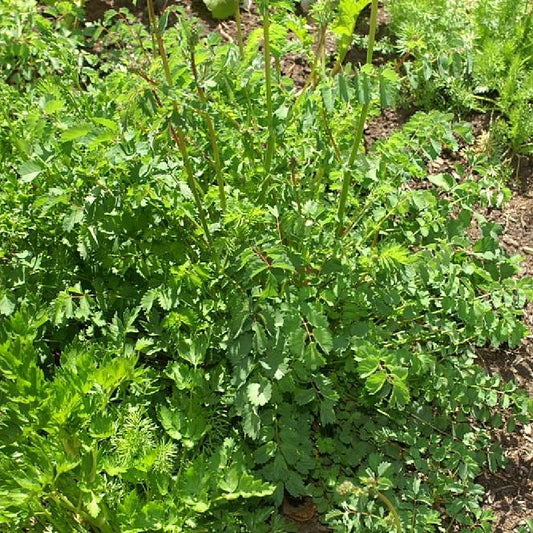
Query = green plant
x=178 y=353
x=505 y=37
x=344 y=28
x=475 y=56
x=361 y=123
x=528 y=526
x=271 y=143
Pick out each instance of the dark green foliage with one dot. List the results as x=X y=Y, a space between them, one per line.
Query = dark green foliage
x=162 y=375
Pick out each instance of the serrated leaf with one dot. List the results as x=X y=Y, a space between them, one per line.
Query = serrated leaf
x=364 y=86
x=96 y=137
x=6 y=306
x=388 y=87
x=294 y=484
x=154 y=514
x=240 y=348
x=265 y=452
x=101 y=426
x=271 y=287
x=110 y=124
x=305 y=396
x=250 y=487
x=83 y=312
x=28 y=483
x=63 y=308
x=400 y=396
x=383 y=467
x=52 y=106
x=374 y=383
x=75 y=216
x=282 y=265
x=251 y=421
x=147 y=300
x=220 y=9
x=29 y=171
x=327 y=412
x=315 y=317
x=328 y=98
x=368 y=366
x=258 y=270
x=260 y=337
x=279 y=470
x=163 y=21
x=313 y=358
x=259 y=394
x=445 y=181
x=324 y=338
x=171 y=422
x=193 y=350
x=342 y=87
x=230 y=481
x=297 y=342
x=92 y=506
x=75 y=132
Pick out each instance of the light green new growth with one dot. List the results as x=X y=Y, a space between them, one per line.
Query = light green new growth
x=220 y=9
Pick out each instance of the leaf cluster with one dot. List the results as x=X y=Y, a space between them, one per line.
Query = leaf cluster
x=175 y=365
x=474 y=56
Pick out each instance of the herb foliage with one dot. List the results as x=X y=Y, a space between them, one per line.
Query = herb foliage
x=186 y=337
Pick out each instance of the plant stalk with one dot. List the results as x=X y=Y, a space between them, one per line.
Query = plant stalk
x=271 y=144
x=100 y=523
x=320 y=56
x=392 y=510
x=346 y=180
x=318 y=60
x=177 y=132
x=211 y=130
x=238 y=22
x=159 y=40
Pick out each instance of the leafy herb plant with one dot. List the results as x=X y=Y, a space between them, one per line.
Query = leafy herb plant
x=212 y=297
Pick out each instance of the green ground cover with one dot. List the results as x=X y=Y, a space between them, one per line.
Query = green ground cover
x=211 y=296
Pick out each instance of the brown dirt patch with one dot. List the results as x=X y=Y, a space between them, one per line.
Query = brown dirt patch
x=302 y=515
x=384 y=125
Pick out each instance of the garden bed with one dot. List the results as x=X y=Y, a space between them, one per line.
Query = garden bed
x=207 y=311
x=509 y=492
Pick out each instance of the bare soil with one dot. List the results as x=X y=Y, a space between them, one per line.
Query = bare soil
x=509 y=493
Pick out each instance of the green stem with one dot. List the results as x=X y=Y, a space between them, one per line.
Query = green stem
x=179 y=138
x=268 y=87
x=159 y=40
x=218 y=163
x=238 y=21
x=372 y=32
x=392 y=510
x=100 y=523
x=346 y=180
x=312 y=79
x=177 y=132
x=211 y=131
x=318 y=60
